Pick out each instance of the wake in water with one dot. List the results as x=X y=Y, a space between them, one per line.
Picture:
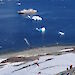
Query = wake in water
x=26 y=41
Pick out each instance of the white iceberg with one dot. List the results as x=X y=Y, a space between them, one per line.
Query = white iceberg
x=37 y=18
x=27 y=11
x=61 y=33
x=41 y=29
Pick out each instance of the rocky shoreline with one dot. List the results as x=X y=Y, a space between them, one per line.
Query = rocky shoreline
x=35 y=54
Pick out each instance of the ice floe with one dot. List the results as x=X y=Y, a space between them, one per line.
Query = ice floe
x=36 y=18
x=61 y=33
x=43 y=29
x=27 y=11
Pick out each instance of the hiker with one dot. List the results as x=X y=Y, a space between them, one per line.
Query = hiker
x=67 y=68
x=70 y=66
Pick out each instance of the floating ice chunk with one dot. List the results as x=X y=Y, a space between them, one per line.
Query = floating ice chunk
x=41 y=29
x=61 y=33
x=27 y=11
x=19 y=3
x=38 y=29
x=29 y=16
x=36 y=18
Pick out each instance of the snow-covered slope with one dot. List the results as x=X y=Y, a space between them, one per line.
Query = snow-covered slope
x=46 y=65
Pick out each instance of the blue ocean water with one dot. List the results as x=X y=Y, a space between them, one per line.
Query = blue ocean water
x=58 y=15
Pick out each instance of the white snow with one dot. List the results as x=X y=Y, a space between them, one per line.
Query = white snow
x=64 y=50
x=2 y=59
x=46 y=66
